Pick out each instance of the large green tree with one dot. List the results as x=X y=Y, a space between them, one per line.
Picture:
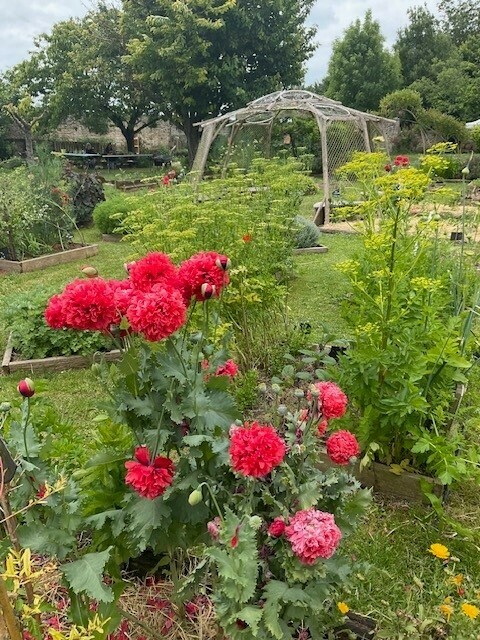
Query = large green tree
x=79 y=70
x=208 y=56
x=461 y=18
x=421 y=44
x=361 y=70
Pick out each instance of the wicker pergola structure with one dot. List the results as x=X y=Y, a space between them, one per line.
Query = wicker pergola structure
x=342 y=131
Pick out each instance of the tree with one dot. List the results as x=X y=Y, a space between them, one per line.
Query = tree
x=79 y=70
x=461 y=18
x=421 y=44
x=361 y=70
x=209 y=56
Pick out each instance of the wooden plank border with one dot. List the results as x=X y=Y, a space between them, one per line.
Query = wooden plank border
x=58 y=363
x=50 y=260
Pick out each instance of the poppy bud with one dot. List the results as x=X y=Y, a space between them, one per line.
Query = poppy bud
x=262 y=387
x=298 y=393
x=208 y=290
x=282 y=410
x=26 y=388
x=276 y=388
x=465 y=171
x=128 y=265
x=90 y=272
x=195 y=497
x=5 y=407
x=223 y=263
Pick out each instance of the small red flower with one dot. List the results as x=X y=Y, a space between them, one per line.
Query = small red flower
x=247 y=237
x=401 y=161
x=276 y=528
x=199 y=270
x=207 y=290
x=342 y=446
x=256 y=449
x=229 y=369
x=388 y=168
x=332 y=402
x=41 y=491
x=149 y=479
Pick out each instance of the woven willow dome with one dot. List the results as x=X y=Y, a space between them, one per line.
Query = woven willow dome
x=237 y=135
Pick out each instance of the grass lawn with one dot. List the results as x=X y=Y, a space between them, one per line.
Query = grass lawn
x=403 y=584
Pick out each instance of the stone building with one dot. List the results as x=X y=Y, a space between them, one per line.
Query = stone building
x=72 y=136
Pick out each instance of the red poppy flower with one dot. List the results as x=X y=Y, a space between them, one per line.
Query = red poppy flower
x=199 y=270
x=149 y=479
x=256 y=449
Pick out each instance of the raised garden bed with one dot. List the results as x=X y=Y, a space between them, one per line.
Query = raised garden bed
x=57 y=363
x=50 y=260
x=318 y=249
x=380 y=477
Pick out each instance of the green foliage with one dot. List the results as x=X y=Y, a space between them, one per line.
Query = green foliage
x=474 y=134
x=109 y=214
x=35 y=210
x=445 y=126
x=250 y=218
x=361 y=70
x=86 y=191
x=421 y=44
x=85 y=576
x=307 y=234
x=439 y=161
x=410 y=314
x=260 y=587
x=192 y=52
x=404 y=104
x=33 y=338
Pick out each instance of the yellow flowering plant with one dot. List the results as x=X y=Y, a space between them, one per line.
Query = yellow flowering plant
x=411 y=313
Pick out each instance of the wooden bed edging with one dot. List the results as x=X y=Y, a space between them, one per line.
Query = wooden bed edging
x=57 y=363
x=50 y=260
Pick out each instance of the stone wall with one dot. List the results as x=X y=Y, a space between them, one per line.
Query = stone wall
x=72 y=136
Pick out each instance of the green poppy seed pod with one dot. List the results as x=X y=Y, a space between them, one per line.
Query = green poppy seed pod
x=276 y=388
x=195 y=497
x=465 y=171
x=90 y=272
x=26 y=388
x=255 y=522
x=298 y=393
x=282 y=410
x=262 y=387
x=5 y=407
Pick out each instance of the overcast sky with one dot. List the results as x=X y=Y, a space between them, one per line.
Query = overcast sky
x=22 y=20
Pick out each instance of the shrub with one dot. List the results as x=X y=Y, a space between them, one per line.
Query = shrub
x=109 y=214
x=475 y=136
x=33 y=338
x=307 y=233
x=86 y=191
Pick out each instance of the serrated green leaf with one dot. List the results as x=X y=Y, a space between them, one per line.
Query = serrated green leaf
x=86 y=576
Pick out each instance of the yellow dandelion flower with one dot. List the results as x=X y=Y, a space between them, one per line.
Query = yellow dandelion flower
x=439 y=551
x=470 y=610
x=456 y=580
x=446 y=610
x=343 y=608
